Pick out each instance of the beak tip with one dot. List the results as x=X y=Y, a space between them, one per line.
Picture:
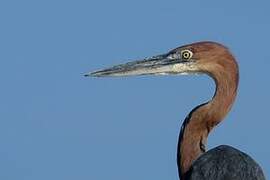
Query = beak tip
x=93 y=74
x=89 y=74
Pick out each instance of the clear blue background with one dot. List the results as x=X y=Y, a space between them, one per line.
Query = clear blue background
x=58 y=125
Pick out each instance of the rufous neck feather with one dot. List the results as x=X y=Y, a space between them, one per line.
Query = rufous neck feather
x=196 y=127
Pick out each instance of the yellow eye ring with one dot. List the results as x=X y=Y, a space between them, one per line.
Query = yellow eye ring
x=186 y=54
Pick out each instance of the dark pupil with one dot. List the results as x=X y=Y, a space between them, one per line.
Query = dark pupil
x=186 y=55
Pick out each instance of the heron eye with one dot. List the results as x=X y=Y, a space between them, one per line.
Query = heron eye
x=186 y=54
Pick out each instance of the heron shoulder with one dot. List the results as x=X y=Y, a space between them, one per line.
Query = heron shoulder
x=226 y=163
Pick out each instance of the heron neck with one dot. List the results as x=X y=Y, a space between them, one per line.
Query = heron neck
x=202 y=119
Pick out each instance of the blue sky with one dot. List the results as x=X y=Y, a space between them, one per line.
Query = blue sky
x=57 y=124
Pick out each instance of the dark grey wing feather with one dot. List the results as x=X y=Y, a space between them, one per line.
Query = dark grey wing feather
x=225 y=163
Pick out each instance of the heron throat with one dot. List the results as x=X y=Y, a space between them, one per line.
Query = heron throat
x=202 y=119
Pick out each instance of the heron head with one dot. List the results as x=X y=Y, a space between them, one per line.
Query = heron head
x=188 y=59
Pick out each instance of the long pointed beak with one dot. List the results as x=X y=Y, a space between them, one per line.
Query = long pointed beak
x=161 y=64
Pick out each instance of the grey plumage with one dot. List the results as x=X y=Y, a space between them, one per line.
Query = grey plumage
x=225 y=163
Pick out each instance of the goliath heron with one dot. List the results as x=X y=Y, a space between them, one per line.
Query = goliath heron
x=194 y=162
